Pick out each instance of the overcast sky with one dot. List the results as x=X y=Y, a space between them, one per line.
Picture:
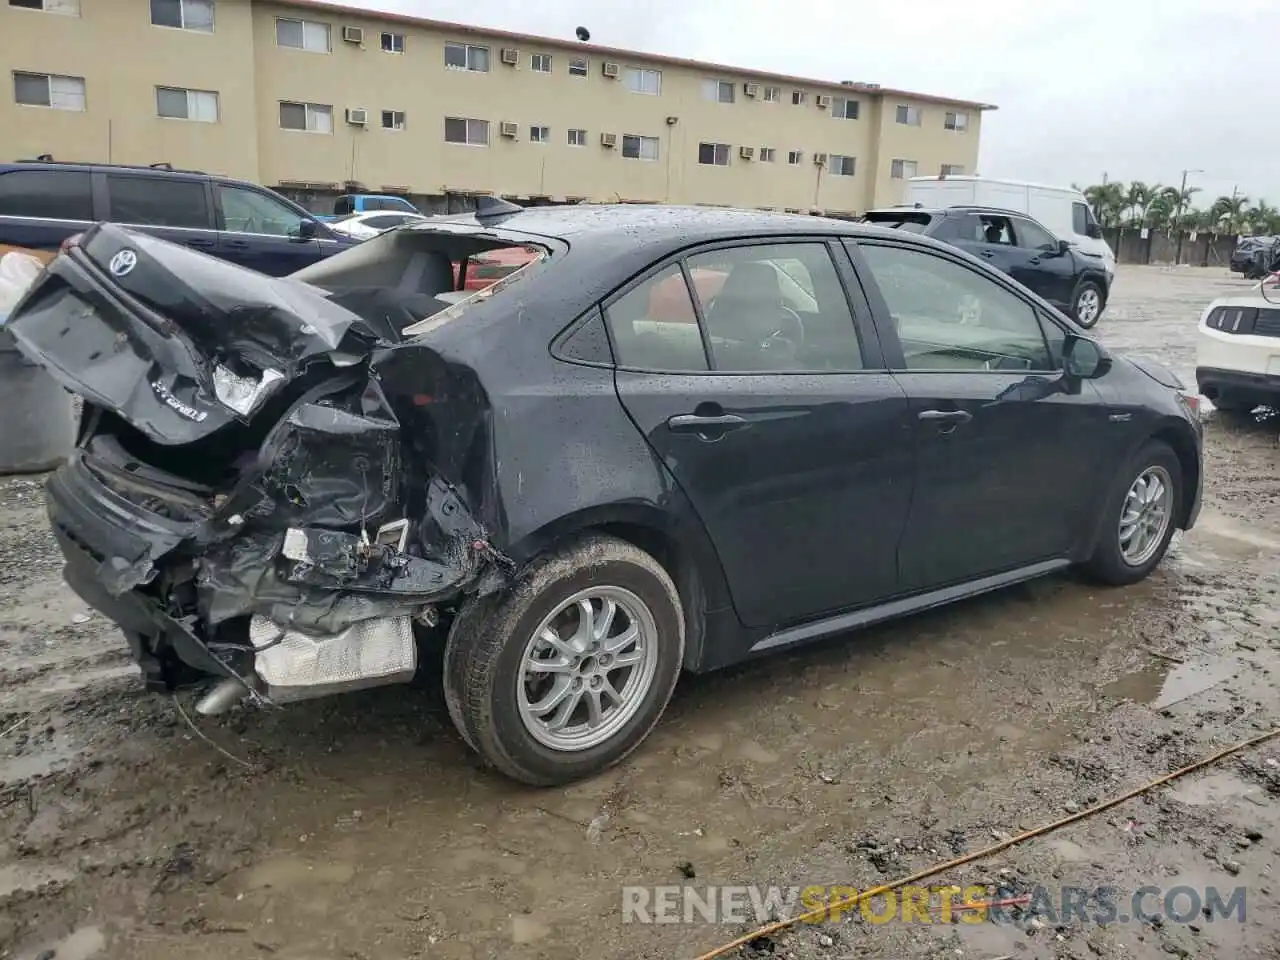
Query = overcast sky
x=1138 y=89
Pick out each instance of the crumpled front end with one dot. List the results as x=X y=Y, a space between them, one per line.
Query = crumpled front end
x=285 y=539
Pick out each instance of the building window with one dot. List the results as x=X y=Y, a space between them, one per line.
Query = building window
x=393 y=43
x=797 y=97
x=539 y=134
x=464 y=56
x=68 y=8
x=309 y=35
x=175 y=103
x=795 y=156
x=639 y=148
x=722 y=91
x=540 y=62
x=910 y=116
x=183 y=14
x=578 y=66
x=392 y=119
x=49 y=90
x=902 y=169
x=772 y=94
x=768 y=154
x=577 y=138
x=843 y=109
x=473 y=133
x=714 y=154
x=957 y=121
x=644 y=81
x=952 y=170
x=308 y=117
x=843 y=166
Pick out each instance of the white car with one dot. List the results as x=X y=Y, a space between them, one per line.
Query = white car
x=362 y=226
x=1238 y=350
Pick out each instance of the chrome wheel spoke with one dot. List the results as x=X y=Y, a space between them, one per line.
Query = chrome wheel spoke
x=566 y=711
x=595 y=709
x=608 y=611
x=607 y=690
x=615 y=645
x=628 y=659
x=561 y=691
x=552 y=640
x=1145 y=516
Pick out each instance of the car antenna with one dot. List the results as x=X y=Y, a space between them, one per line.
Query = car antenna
x=487 y=207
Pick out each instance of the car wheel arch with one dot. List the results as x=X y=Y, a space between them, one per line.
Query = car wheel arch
x=693 y=566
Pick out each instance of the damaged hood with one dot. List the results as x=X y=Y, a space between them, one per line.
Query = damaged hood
x=178 y=343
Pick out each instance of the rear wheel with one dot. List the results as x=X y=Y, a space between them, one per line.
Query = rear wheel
x=1087 y=304
x=1140 y=517
x=565 y=673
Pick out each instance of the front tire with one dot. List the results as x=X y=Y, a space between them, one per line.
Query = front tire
x=1140 y=518
x=566 y=672
x=1087 y=304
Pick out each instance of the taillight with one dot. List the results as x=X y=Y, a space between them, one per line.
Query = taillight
x=1191 y=401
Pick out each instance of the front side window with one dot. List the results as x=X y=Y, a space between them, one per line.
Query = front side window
x=47 y=194
x=472 y=132
x=775 y=307
x=248 y=211
x=1080 y=219
x=306 y=117
x=996 y=229
x=1033 y=236
x=157 y=202
x=466 y=56
x=635 y=147
x=309 y=35
x=644 y=81
x=951 y=318
x=654 y=326
x=844 y=109
x=715 y=154
x=49 y=90
x=194 y=15
x=174 y=103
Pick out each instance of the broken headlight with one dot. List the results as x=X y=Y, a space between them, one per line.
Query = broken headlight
x=243 y=394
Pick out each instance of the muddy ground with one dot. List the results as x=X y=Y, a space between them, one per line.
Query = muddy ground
x=361 y=828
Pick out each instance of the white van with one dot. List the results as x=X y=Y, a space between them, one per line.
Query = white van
x=1063 y=210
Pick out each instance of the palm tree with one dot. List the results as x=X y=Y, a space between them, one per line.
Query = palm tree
x=1109 y=201
x=1262 y=218
x=1139 y=199
x=1181 y=200
x=1161 y=209
x=1228 y=214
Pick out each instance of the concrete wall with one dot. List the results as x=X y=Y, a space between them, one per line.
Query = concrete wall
x=1206 y=250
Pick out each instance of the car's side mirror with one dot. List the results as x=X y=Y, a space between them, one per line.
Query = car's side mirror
x=308 y=229
x=1064 y=247
x=1084 y=359
x=1093 y=231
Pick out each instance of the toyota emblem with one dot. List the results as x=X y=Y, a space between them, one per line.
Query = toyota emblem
x=122 y=263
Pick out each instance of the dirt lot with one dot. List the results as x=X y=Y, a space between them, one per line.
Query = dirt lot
x=361 y=828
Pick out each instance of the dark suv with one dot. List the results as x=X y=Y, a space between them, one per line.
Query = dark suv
x=42 y=203
x=1072 y=280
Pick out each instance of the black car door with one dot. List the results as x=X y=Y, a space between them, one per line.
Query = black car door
x=262 y=232
x=1041 y=265
x=994 y=241
x=1008 y=449
x=177 y=209
x=766 y=398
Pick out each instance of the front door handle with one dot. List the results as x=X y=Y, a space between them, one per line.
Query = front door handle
x=708 y=428
x=988 y=254
x=236 y=244
x=946 y=416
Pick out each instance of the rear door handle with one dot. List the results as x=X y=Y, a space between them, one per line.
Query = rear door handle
x=945 y=416
x=988 y=254
x=713 y=426
x=199 y=243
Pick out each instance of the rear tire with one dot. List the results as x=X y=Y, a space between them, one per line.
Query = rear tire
x=512 y=653
x=1233 y=405
x=1087 y=304
x=1120 y=560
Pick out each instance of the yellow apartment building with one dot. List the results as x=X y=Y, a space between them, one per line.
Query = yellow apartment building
x=318 y=98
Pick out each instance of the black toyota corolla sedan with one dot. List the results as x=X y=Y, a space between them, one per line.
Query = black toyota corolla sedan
x=673 y=439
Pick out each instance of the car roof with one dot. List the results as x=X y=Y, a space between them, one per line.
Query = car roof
x=954 y=208
x=156 y=169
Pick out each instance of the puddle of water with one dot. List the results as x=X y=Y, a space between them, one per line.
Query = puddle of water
x=290 y=873
x=1214 y=788
x=1165 y=684
x=29 y=876
x=1231 y=536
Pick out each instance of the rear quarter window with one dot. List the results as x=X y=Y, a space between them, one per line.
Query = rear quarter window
x=46 y=194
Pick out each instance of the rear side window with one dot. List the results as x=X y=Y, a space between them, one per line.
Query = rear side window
x=910 y=222
x=47 y=194
x=1079 y=219
x=158 y=202
x=654 y=325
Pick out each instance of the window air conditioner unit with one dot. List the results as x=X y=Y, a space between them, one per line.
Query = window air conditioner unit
x=820 y=159
x=872 y=86
x=751 y=89
x=610 y=70
x=746 y=153
x=822 y=100
x=509 y=129
x=608 y=139
x=353 y=34
x=358 y=116
x=510 y=56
